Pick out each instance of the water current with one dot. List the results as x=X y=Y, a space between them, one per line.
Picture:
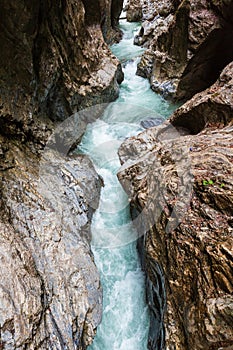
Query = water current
x=125 y=322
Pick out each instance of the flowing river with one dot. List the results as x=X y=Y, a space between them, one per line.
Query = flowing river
x=125 y=322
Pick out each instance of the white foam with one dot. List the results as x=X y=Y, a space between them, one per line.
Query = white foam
x=125 y=321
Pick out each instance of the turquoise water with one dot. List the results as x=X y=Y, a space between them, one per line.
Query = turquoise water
x=125 y=322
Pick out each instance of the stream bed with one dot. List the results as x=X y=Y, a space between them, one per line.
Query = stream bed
x=125 y=322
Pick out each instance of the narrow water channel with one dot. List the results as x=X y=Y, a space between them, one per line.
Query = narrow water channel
x=125 y=322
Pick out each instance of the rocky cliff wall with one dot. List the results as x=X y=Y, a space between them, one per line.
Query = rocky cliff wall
x=179 y=180
x=110 y=13
x=179 y=175
x=188 y=44
x=54 y=62
x=50 y=292
x=133 y=10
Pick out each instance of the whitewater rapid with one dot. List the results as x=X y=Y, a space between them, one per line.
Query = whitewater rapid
x=125 y=322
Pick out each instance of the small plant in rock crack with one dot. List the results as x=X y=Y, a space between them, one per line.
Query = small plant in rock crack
x=208 y=182
x=211 y=182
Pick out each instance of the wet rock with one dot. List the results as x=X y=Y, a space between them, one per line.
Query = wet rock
x=161 y=8
x=166 y=88
x=189 y=43
x=110 y=14
x=54 y=62
x=212 y=107
x=133 y=11
x=50 y=290
x=224 y=7
x=180 y=188
x=150 y=122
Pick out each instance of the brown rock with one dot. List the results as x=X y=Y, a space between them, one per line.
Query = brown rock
x=50 y=291
x=212 y=107
x=54 y=62
x=134 y=11
x=157 y=7
x=111 y=10
x=191 y=43
x=180 y=187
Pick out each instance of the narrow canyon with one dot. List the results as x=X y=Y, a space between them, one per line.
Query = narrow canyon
x=116 y=182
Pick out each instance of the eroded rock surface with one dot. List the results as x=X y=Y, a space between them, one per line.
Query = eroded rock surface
x=213 y=106
x=110 y=10
x=180 y=186
x=50 y=292
x=54 y=62
x=188 y=44
x=134 y=10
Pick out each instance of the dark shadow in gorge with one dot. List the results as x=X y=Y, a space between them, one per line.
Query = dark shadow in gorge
x=207 y=63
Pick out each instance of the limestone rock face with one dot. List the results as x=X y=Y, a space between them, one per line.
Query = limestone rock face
x=151 y=8
x=134 y=10
x=49 y=291
x=189 y=43
x=54 y=62
x=110 y=11
x=180 y=186
x=212 y=107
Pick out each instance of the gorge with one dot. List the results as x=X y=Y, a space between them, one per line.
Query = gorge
x=66 y=235
x=125 y=322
